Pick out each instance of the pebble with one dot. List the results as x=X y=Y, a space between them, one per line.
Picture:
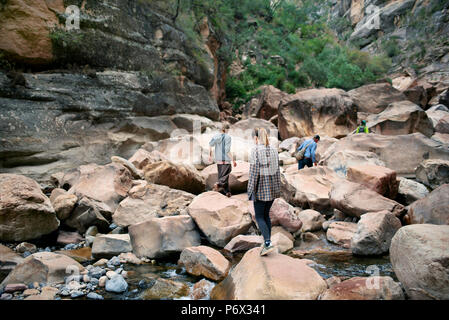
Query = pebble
x=94 y=281
x=6 y=296
x=102 y=281
x=64 y=293
x=25 y=246
x=97 y=272
x=95 y=296
x=30 y=292
x=13 y=287
x=112 y=226
x=117 y=284
x=124 y=274
x=111 y=274
x=115 y=261
x=77 y=294
x=101 y=262
x=86 y=278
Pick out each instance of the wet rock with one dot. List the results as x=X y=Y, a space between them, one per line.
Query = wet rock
x=80 y=255
x=419 y=256
x=94 y=296
x=166 y=289
x=274 y=276
x=374 y=233
x=116 y=284
x=201 y=290
x=205 y=261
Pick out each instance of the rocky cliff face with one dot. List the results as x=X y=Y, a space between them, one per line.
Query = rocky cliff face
x=101 y=90
x=414 y=33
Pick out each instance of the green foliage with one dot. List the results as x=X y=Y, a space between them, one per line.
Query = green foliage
x=391 y=47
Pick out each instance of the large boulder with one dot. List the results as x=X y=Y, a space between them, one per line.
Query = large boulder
x=419 y=256
x=355 y=200
x=272 y=277
x=365 y=288
x=108 y=184
x=410 y=190
x=401 y=153
x=341 y=160
x=376 y=97
x=439 y=116
x=220 y=218
x=238 y=179
x=374 y=233
x=433 y=172
x=110 y=245
x=161 y=237
x=89 y=213
x=311 y=220
x=43 y=267
x=330 y=112
x=377 y=178
x=147 y=200
x=264 y=105
x=309 y=187
x=341 y=233
x=205 y=261
x=432 y=209
x=176 y=176
x=401 y=117
x=25 y=212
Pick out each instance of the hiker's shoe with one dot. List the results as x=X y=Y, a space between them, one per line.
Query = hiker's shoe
x=266 y=250
x=228 y=194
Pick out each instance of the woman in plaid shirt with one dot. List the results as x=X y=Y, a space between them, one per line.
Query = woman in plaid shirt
x=264 y=184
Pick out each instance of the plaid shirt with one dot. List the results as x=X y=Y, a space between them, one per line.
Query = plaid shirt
x=264 y=182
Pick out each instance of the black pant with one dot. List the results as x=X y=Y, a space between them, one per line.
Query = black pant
x=305 y=162
x=224 y=170
x=262 y=210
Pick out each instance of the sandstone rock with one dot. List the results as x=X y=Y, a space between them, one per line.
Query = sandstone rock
x=409 y=191
x=128 y=165
x=65 y=237
x=377 y=178
x=341 y=160
x=110 y=245
x=375 y=98
x=433 y=172
x=355 y=200
x=418 y=254
x=328 y=111
x=401 y=117
x=201 y=289
x=290 y=144
x=160 y=237
x=89 y=213
x=285 y=159
x=365 y=288
x=80 y=255
x=116 y=284
x=8 y=258
x=282 y=242
x=442 y=138
x=243 y=128
x=205 y=261
x=401 y=153
x=166 y=289
x=283 y=214
x=29 y=37
x=274 y=276
x=25 y=246
x=432 y=209
x=147 y=200
x=220 y=218
x=176 y=176
x=129 y=257
x=402 y=83
x=46 y=267
x=439 y=116
x=243 y=243
x=265 y=105
x=142 y=157
x=309 y=187
x=341 y=233
x=311 y=220
x=25 y=212
x=108 y=184
x=56 y=192
x=374 y=233
x=238 y=179
x=64 y=205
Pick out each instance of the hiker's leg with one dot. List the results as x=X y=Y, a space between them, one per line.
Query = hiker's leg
x=309 y=162
x=259 y=209
x=267 y=208
x=227 y=168
x=301 y=164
